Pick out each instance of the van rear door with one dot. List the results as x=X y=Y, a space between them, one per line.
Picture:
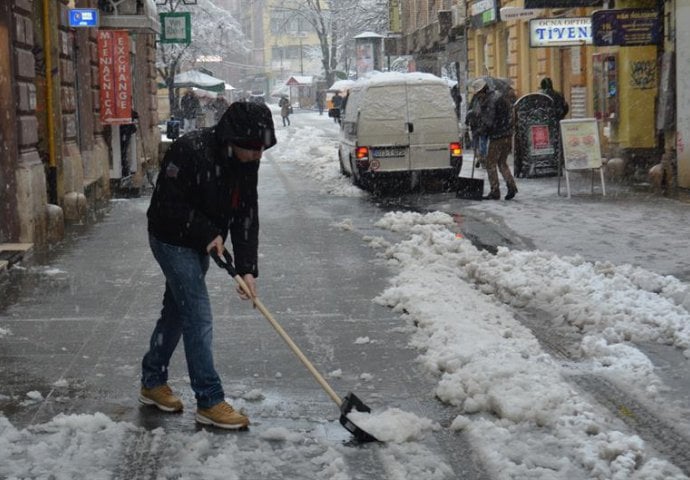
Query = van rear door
x=382 y=126
x=433 y=126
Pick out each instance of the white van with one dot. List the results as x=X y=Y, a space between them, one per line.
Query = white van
x=399 y=125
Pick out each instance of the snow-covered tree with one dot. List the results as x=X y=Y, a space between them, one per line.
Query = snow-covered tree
x=336 y=23
x=214 y=32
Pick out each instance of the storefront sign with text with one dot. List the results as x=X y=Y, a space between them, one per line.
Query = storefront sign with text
x=114 y=72
x=560 y=32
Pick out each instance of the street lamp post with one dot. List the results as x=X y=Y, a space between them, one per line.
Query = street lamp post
x=301 y=58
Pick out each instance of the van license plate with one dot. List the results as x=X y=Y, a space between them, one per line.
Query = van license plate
x=388 y=152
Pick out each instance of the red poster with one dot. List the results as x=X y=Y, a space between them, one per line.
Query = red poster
x=115 y=77
x=540 y=140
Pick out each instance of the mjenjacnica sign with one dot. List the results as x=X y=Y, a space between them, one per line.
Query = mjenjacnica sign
x=115 y=78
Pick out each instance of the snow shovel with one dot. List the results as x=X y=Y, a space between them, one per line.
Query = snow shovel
x=470 y=188
x=346 y=404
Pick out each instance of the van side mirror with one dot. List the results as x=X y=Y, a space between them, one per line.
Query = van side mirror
x=410 y=127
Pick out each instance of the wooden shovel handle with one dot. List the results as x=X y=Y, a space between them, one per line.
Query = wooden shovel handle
x=293 y=346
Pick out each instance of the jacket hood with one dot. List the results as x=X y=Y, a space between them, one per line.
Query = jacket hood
x=248 y=125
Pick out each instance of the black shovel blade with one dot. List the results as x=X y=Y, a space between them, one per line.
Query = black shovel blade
x=470 y=188
x=349 y=402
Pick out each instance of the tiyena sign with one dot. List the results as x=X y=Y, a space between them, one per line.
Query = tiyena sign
x=560 y=32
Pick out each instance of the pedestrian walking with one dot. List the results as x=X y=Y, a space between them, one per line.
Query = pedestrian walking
x=218 y=107
x=191 y=108
x=127 y=131
x=321 y=101
x=284 y=105
x=337 y=101
x=206 y=189
x=560 y=106
x=495 y=120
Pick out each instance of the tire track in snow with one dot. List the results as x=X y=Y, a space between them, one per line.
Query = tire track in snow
x=564 y=345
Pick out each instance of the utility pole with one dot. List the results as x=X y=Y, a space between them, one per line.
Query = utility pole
x=301 y=58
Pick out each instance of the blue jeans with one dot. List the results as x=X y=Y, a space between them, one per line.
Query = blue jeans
x=186 y=313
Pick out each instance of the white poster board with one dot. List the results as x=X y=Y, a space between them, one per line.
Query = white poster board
x=581 y=148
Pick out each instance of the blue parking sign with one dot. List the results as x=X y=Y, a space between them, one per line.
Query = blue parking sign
x=83 y=17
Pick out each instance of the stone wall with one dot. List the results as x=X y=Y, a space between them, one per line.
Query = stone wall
x=31 y=187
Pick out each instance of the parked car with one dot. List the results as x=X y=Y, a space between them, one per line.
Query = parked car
x=400 y=126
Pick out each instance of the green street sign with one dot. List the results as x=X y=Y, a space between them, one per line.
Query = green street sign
x=176 y=27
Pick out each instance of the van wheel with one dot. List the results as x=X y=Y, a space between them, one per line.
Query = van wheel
x=342 y=167
x=356 y=180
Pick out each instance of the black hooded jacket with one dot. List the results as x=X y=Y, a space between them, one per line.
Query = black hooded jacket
x=560 y=106
x=202 y=192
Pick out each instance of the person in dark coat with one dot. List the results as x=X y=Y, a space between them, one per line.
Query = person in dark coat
x=480 y=142
x=284 y=105
x=335 y=112
x=560 y=106
x=457 y=99
x=206 y=191
x=127 y=131
x=321 y=100
x=495 y=119
x=191 y=108
x=218 y=107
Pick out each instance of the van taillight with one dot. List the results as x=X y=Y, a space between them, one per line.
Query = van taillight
x=362 y=153
x=455 y=149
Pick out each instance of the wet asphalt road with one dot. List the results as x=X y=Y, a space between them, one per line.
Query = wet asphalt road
x=81 y=314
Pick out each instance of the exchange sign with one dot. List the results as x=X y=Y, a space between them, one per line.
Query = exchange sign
x=114 y=72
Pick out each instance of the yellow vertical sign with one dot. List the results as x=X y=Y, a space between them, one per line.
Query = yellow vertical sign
x=394 y=24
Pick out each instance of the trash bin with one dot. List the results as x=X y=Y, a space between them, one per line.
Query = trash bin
x=172 y=128
x=537 y=137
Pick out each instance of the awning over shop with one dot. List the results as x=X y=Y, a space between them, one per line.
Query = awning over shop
x=197 y=79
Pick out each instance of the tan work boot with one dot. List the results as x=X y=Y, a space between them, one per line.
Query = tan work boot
x=222 y=415
x=162 y=397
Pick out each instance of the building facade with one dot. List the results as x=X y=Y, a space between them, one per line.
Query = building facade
x=622 y=78
x=56 y=157
x=281 y=43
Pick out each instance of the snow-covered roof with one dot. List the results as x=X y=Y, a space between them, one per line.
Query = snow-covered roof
x=341 y=85
x=369 y=35
x=300 y=80
x=382 y=78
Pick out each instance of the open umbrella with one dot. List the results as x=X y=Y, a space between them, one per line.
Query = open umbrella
x=197 y=79
x=502 y=86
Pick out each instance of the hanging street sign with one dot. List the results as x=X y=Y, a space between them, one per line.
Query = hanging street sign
x=115 y=78
x=83 y=17
x=176 y=27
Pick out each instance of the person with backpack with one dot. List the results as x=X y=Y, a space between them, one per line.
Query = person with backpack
x=206 y=192
x=494 y=118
